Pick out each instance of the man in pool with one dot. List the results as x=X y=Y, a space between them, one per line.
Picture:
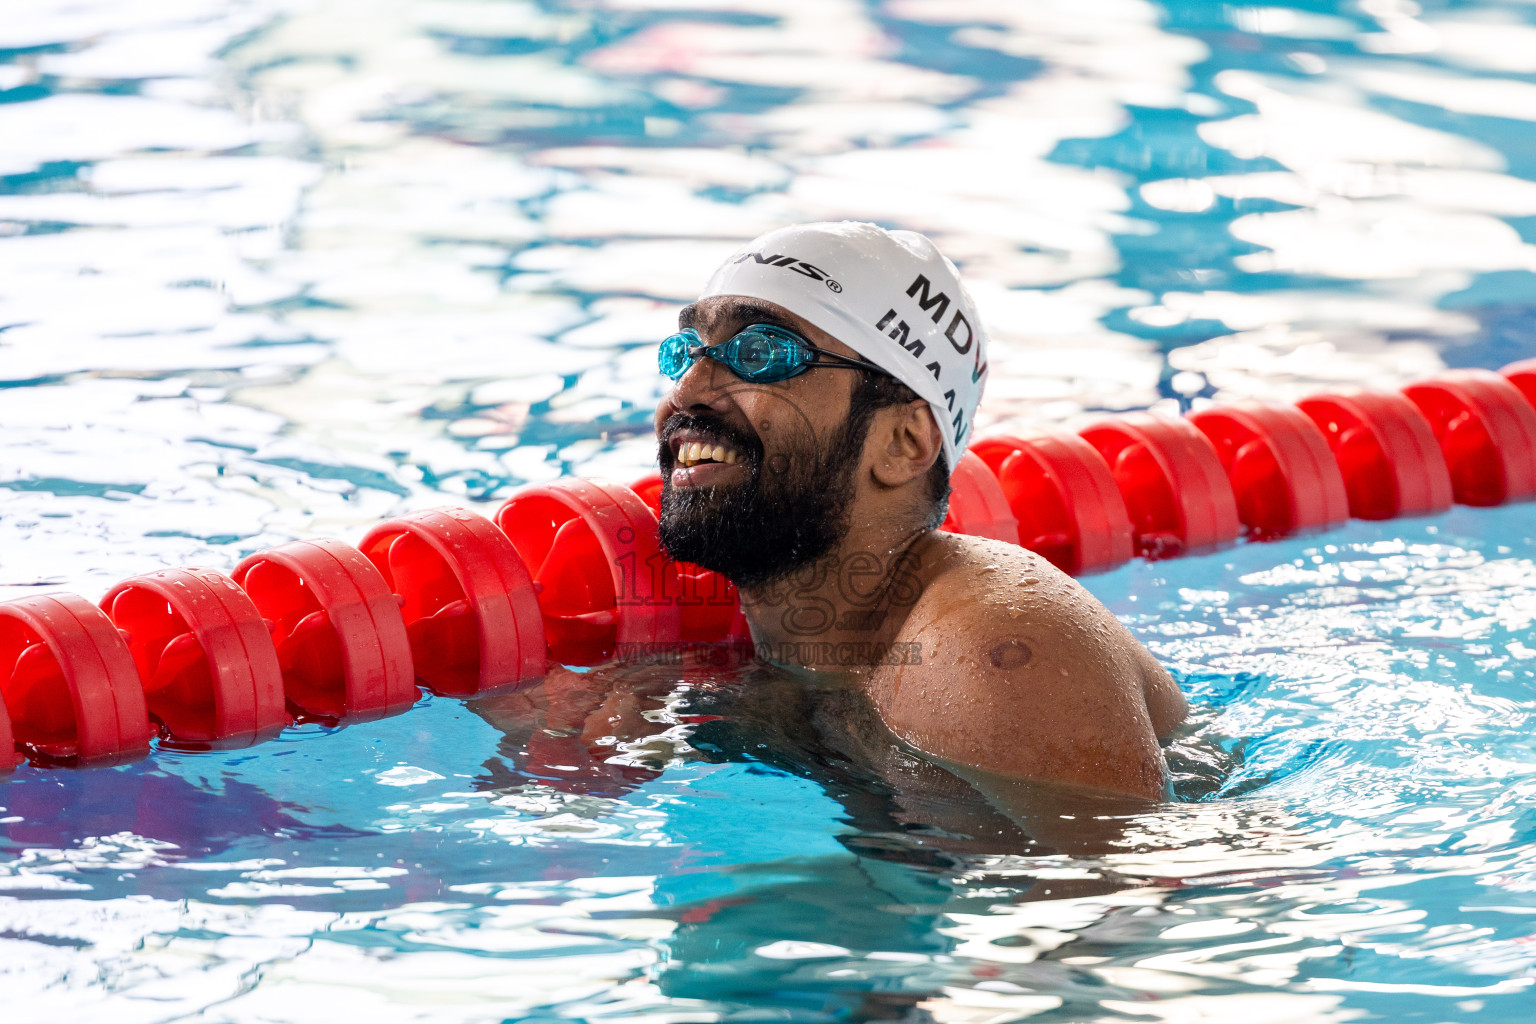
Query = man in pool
x=824 y=387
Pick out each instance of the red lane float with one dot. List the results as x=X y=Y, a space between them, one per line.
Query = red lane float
x=340 y=636
x=1282 y=472
x=1386 y=451
x=210 y=671
x=1064 y=498
x=466 y=598
x=598 y=565
x=1487 y=432
x=1523 y=376
x=69 y=683
x=708 y=607
x=648 y=489
x=446 y=597
x=9 y=758
x=1175 y=490
x=978 y=507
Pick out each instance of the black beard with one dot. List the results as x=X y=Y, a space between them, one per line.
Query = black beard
x=790 y=512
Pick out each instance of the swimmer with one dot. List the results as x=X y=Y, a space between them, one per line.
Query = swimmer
x=824 y=386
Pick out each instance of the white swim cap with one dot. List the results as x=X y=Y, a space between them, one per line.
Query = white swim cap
x=891 y=296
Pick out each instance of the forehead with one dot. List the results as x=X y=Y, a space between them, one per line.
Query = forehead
x=719 y=317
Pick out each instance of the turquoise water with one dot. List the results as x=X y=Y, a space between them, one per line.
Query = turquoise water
x=280 y=269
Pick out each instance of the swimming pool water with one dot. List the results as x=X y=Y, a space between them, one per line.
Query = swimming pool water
x=280 y=269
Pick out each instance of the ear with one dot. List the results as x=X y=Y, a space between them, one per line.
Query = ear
x=908 y=443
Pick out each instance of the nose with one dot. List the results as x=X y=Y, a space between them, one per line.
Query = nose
x=704 y=385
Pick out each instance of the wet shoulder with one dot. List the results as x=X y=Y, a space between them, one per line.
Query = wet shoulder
x=985 y=603
x=1019 y=670
x=997 y=607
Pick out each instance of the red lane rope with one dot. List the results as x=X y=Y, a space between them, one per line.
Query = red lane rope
x=72 y=689
x=1487 y=431
x=1282 y=473
x=708 y=609
x=1385 y=448
x=209 y=668
x=1173 y=484
x=572 y=572
x=601 y=576
x=1064 y=498
x=466 y=597
x=978 y=505
x=1523 y=376
x=341 y=640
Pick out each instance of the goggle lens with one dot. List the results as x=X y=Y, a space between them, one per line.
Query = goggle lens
x=673 y=360
x=761 y=354
x=764 y=355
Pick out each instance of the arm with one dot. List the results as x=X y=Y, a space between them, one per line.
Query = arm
x=1165 y=701
x=568 y=728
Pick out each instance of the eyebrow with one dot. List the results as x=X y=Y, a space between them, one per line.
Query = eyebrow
x=744 y=314
x=737 y=316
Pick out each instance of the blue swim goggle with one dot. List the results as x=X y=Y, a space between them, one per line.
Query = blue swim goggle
x=761 y=354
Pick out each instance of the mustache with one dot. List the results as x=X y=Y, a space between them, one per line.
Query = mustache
x=715 y=428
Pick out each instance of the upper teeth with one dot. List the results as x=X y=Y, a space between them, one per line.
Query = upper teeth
x=693 y=451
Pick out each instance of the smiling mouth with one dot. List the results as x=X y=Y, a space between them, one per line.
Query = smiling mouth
x=693 y=453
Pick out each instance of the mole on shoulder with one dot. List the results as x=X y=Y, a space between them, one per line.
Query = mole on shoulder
x=1011 y=654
